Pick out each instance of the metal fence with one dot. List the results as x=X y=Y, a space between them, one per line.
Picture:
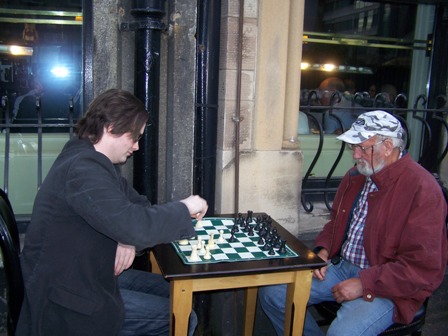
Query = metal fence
x=426 y=128
x=28 y=147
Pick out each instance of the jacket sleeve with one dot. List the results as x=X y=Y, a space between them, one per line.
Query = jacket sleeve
x=93 y=190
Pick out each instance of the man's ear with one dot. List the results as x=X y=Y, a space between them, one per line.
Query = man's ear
x=109 y=128
x=389 y=147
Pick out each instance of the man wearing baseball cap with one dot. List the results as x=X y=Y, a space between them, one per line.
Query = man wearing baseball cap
x=385 y=242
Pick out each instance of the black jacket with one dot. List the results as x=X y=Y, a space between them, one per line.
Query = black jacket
x=83 y=208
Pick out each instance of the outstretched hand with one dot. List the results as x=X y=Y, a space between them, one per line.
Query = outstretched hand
x=197 y=206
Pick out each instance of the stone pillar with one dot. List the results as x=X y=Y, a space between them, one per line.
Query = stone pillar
x=270 y=174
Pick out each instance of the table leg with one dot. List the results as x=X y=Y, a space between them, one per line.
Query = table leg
x=154 y=266
x=297 y=296
x=181 y=298
x=249 y=310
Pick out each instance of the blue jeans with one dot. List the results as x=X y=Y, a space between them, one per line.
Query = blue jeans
x=356 y=317
x=147 y=304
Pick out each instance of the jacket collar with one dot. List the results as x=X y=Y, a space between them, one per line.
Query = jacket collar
x=388 y=175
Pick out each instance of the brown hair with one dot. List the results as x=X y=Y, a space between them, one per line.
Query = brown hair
x=117 y=108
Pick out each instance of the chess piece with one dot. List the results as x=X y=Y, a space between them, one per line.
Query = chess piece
x=271 y=251
x=277 y=242
x=282 y=249
x=250 y=213
x=207 y=254
x=211 y=241
x=260 y=241
x=235 y=228
x=183 y=242
x=221 y=237
x=194 y=253
x=251 y=231
x=232 y=238
x=199 y=224
x=202 y=248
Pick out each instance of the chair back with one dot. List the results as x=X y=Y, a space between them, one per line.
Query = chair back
x=8 y=214
x=10 y=248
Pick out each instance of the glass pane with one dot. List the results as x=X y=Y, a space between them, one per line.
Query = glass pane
x=40 y=85
x=41 y=56
x=368 y=45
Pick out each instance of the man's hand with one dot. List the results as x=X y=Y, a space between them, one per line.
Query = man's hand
x=197 y=206
x=347 y=290
x=320 y=273
x=123 y=258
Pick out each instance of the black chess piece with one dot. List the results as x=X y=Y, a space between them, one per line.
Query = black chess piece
x=282 y=249
x=251 y=231
x=240 y=219
x=260 y=241
x=277 y=242
x=232 y=238
x=271 y=251
x=250 y=214
x=266 y=246
x=235 y=228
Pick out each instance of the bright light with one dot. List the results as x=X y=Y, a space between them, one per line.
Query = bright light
x=17 y=50
x=328 y=67
x=60 y=72
x=304 y=66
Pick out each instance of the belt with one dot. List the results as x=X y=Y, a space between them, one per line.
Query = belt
x=336 y=260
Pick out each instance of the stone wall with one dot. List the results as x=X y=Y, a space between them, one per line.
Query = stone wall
x=269 y=163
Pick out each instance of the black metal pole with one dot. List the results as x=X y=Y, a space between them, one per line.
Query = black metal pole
x=206 y=121
x=148 y=14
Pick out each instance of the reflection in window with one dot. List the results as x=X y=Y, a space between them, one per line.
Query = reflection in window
x=41 y=63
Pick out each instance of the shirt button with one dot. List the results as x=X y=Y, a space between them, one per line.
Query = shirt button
x=369 y=296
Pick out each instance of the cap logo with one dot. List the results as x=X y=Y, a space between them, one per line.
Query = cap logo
x=360 y=122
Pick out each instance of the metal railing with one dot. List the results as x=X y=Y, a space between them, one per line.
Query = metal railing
x=426 y=128
x=24 y=147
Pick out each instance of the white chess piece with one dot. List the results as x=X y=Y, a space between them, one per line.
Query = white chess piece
x=202 y=247
x=194 y=253
x=183 y=242
x=207 y=254
x=211 y=241
x=199 y=224
x=221 y=237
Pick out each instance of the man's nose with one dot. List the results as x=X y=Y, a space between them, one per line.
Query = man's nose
x=356 y=153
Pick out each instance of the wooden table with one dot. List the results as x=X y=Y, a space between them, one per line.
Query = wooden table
x=187 y=279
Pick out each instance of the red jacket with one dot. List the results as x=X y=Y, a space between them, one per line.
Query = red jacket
x=404 y=235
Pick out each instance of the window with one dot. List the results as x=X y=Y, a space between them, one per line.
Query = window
x=41 y=80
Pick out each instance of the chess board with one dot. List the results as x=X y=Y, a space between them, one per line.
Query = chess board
x=245 y=246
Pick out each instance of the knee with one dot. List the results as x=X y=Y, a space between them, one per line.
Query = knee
x=192 y=323
x=272 y=297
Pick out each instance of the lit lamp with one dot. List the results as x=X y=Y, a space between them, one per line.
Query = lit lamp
x=16 y=50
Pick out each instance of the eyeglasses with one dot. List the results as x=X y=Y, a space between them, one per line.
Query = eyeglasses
x=136 y=138
x=364 y=149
